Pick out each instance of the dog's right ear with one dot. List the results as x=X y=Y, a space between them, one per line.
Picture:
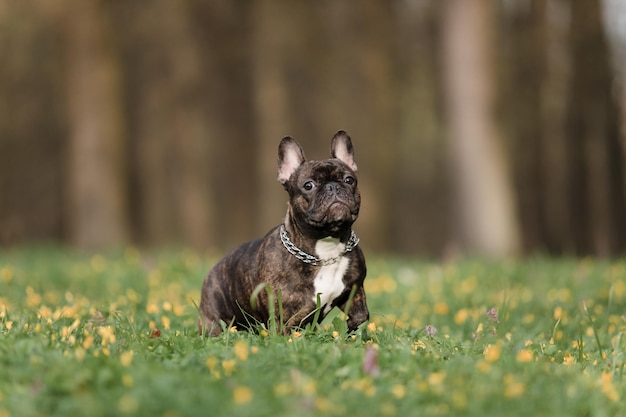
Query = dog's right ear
x=290 y=157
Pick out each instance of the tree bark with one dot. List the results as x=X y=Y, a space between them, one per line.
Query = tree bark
x=192 y=133
x=272 y=31
x=527 y=66
x=420 y=192
x=97 y=204
x=596 y=156
x=485 y=218
x=173 y=132
x=225 y=25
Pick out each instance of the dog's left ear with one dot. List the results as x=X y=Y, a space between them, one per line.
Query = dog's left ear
x=341 y=148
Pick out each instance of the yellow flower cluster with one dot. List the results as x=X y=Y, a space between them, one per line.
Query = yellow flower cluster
x=241 y=351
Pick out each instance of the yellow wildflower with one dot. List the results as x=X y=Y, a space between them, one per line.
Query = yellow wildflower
x=282 y=389
x=88 y=341
x=459 y=399
x=128 y=404
x=241 y=350
x=309 y=387
x=228 y=366
x=178 y=310
x=461 y=316
x=558 y=313
x=369 y=389
x=32 y=298
x=126 y=358
x=441 y=308
x=211 y=363
x=398 y=391
x=6 y=274
x=492 y=353
x=106 y=332
x=242 y=395
x=80 y=354
x=513 y=388
x=483 y=366
x=418 y=345
x=607 y=387
x=525 y=355
x=324 y=405
x=165 y=321
x=436 y=378
x=127 y=381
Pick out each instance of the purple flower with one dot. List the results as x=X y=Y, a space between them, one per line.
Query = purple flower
x=493 y=315
x=430 y=330
x=370 y=361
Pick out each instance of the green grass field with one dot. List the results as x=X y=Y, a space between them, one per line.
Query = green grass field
x=115 y=335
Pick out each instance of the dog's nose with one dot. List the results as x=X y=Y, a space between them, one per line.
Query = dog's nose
x=332 y=187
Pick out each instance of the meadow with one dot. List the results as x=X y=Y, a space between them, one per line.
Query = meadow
x=115 y=335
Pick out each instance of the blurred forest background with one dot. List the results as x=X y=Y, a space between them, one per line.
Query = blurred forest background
x=480 y=126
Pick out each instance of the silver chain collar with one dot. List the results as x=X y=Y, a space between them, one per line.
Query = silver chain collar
x=314 y=260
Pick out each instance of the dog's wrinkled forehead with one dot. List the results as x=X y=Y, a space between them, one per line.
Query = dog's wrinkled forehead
x=323 y=171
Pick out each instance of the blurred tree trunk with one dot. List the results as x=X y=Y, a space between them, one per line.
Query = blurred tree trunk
x=272 y=33
x=596 y=156
x=375 y=60
x=192 y=133
x=536 y=62
x=484 y=209
x=420 y=190
x=97 y=207
x=173 y=131
x=525 y=100
x=33 y=122
x=358 y=77
x=225 y=25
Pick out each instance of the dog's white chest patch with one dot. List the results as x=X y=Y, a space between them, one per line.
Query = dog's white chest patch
x=329 y=280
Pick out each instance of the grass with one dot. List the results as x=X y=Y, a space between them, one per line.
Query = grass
x=115 y=335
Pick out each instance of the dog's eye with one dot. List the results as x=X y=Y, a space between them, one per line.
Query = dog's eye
x=349 y=180
x=309 y=185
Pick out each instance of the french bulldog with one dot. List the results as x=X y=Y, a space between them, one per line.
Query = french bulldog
x=313 y=254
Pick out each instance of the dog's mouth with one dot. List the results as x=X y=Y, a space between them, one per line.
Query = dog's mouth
x=339 y=210
x=336 y=217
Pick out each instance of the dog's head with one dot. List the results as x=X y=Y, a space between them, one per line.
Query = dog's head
x=323 y=195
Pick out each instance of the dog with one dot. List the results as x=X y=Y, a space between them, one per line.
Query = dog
x=311 y=260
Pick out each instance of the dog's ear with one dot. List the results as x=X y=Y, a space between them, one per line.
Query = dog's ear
x=290 y=157
x=341 y=148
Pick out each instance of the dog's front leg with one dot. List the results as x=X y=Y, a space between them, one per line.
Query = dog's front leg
x=358 y=313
